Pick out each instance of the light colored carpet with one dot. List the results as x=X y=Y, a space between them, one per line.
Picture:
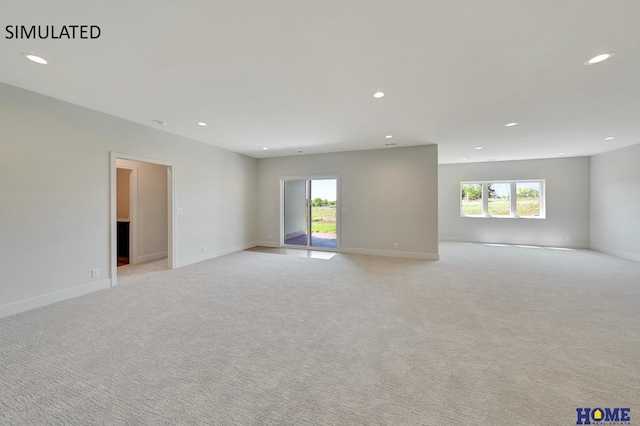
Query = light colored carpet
x=312 y=254
x=486 y=336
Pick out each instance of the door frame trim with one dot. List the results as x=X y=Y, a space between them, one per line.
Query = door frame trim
x=113 y=219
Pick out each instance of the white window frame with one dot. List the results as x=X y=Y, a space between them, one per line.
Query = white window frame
x=512 y=198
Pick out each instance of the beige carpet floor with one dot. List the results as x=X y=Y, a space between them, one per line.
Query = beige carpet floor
x=488 y=335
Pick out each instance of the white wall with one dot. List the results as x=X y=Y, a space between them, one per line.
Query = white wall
x=54 y=201
x=615 y=202
x=567 y=203
x=151 y=210
x=387 y=196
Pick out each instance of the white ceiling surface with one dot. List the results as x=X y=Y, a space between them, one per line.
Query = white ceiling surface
x=298 y=75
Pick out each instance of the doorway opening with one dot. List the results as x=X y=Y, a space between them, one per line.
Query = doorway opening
x=142 y=219
x=310 y=213
x=126 y=201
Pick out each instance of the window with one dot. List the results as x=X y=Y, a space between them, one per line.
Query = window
x=499 y=195
x=520 y=199
x=471 y=202
x=528 y=199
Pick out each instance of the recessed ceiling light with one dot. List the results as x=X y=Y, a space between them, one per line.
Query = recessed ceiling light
x=464 y=159
x=599 y=58
x=511 y=124
x=202 y=123
x=478 y=147
x=378 y=94
x=561 y=153
x=609 y=138
x=34 y=58
x=388 y=136
x=265 y=148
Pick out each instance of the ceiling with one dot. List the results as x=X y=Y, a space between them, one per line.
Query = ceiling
x=299 y=75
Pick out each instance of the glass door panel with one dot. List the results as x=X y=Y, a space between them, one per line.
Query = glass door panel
x=323 y=196
x=296 y=213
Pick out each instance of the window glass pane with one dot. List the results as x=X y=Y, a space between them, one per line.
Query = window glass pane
x=528 y=198
x=471 y=199
x=499 y=199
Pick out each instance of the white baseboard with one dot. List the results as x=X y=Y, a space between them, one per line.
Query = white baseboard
x=513 y=242
x=48 y=299
x=267 y=244
x=618 y=253
x=213 y=254
x=391 y=253
x=456 y=240
x=150 y=257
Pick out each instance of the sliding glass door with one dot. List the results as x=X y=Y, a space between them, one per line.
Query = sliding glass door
x=310 y=213
x=296 y=213
x=324 y=203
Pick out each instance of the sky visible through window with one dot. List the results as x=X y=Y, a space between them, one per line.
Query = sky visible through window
x=503 y=190
x=324 y=188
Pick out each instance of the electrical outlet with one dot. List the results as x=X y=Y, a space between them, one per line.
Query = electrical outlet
x=179 y=210
x=204 y=248
x=95 y=273
x=395 y=245
x=269 y=236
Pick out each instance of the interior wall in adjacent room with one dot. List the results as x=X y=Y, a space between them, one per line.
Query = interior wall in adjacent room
x=567 y=203
x=615 y=202
x=152 y=209
x=387 y=196
x=123 y=193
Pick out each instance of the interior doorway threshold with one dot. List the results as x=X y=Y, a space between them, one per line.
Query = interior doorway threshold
x=143 y=268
